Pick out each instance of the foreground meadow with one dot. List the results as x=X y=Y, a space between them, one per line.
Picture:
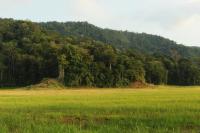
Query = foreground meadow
x=159 y=109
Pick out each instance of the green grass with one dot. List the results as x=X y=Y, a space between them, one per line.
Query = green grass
x=161 y=109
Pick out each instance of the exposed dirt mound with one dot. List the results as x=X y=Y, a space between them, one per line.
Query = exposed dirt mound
x=140 y=84
x=48 y=83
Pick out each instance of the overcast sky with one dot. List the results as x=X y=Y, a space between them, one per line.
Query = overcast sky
x=178 y=20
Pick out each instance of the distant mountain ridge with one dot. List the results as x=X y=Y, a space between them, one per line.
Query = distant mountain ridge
x=145 y=43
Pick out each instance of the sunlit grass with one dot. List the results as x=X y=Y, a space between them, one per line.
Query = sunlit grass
x=157 y=109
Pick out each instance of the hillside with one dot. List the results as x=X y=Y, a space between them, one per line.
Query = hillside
x=143 y=42
x=30 y=53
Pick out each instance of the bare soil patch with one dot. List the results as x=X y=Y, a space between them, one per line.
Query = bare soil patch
x=140 y=85
x=47 y=83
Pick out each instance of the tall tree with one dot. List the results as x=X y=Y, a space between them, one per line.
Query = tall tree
x=62 y=62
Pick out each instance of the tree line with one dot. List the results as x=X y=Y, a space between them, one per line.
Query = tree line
x=29 y=53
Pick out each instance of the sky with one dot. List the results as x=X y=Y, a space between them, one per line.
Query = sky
x=178 y=20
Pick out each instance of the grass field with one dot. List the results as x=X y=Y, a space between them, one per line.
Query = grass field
x=160 y=109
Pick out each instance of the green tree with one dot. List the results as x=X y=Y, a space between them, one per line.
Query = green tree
x=156 y=73
x=188 y=73
x=62 y=62
x=2 y=68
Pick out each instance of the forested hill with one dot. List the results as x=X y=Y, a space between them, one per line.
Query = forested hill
x=143 y=42
x=30 y=52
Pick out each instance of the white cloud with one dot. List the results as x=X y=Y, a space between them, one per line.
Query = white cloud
x=10 y=4
x=89 y=10
x=14 y=2
x=187 y=30
x=193 y=1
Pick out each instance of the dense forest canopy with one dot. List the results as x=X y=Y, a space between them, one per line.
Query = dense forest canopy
x=80 y=54
x=123 y=39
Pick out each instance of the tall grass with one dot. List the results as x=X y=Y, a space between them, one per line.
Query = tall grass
x=162 y=109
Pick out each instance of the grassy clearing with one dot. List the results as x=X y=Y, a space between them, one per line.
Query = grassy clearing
x=162 y=109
